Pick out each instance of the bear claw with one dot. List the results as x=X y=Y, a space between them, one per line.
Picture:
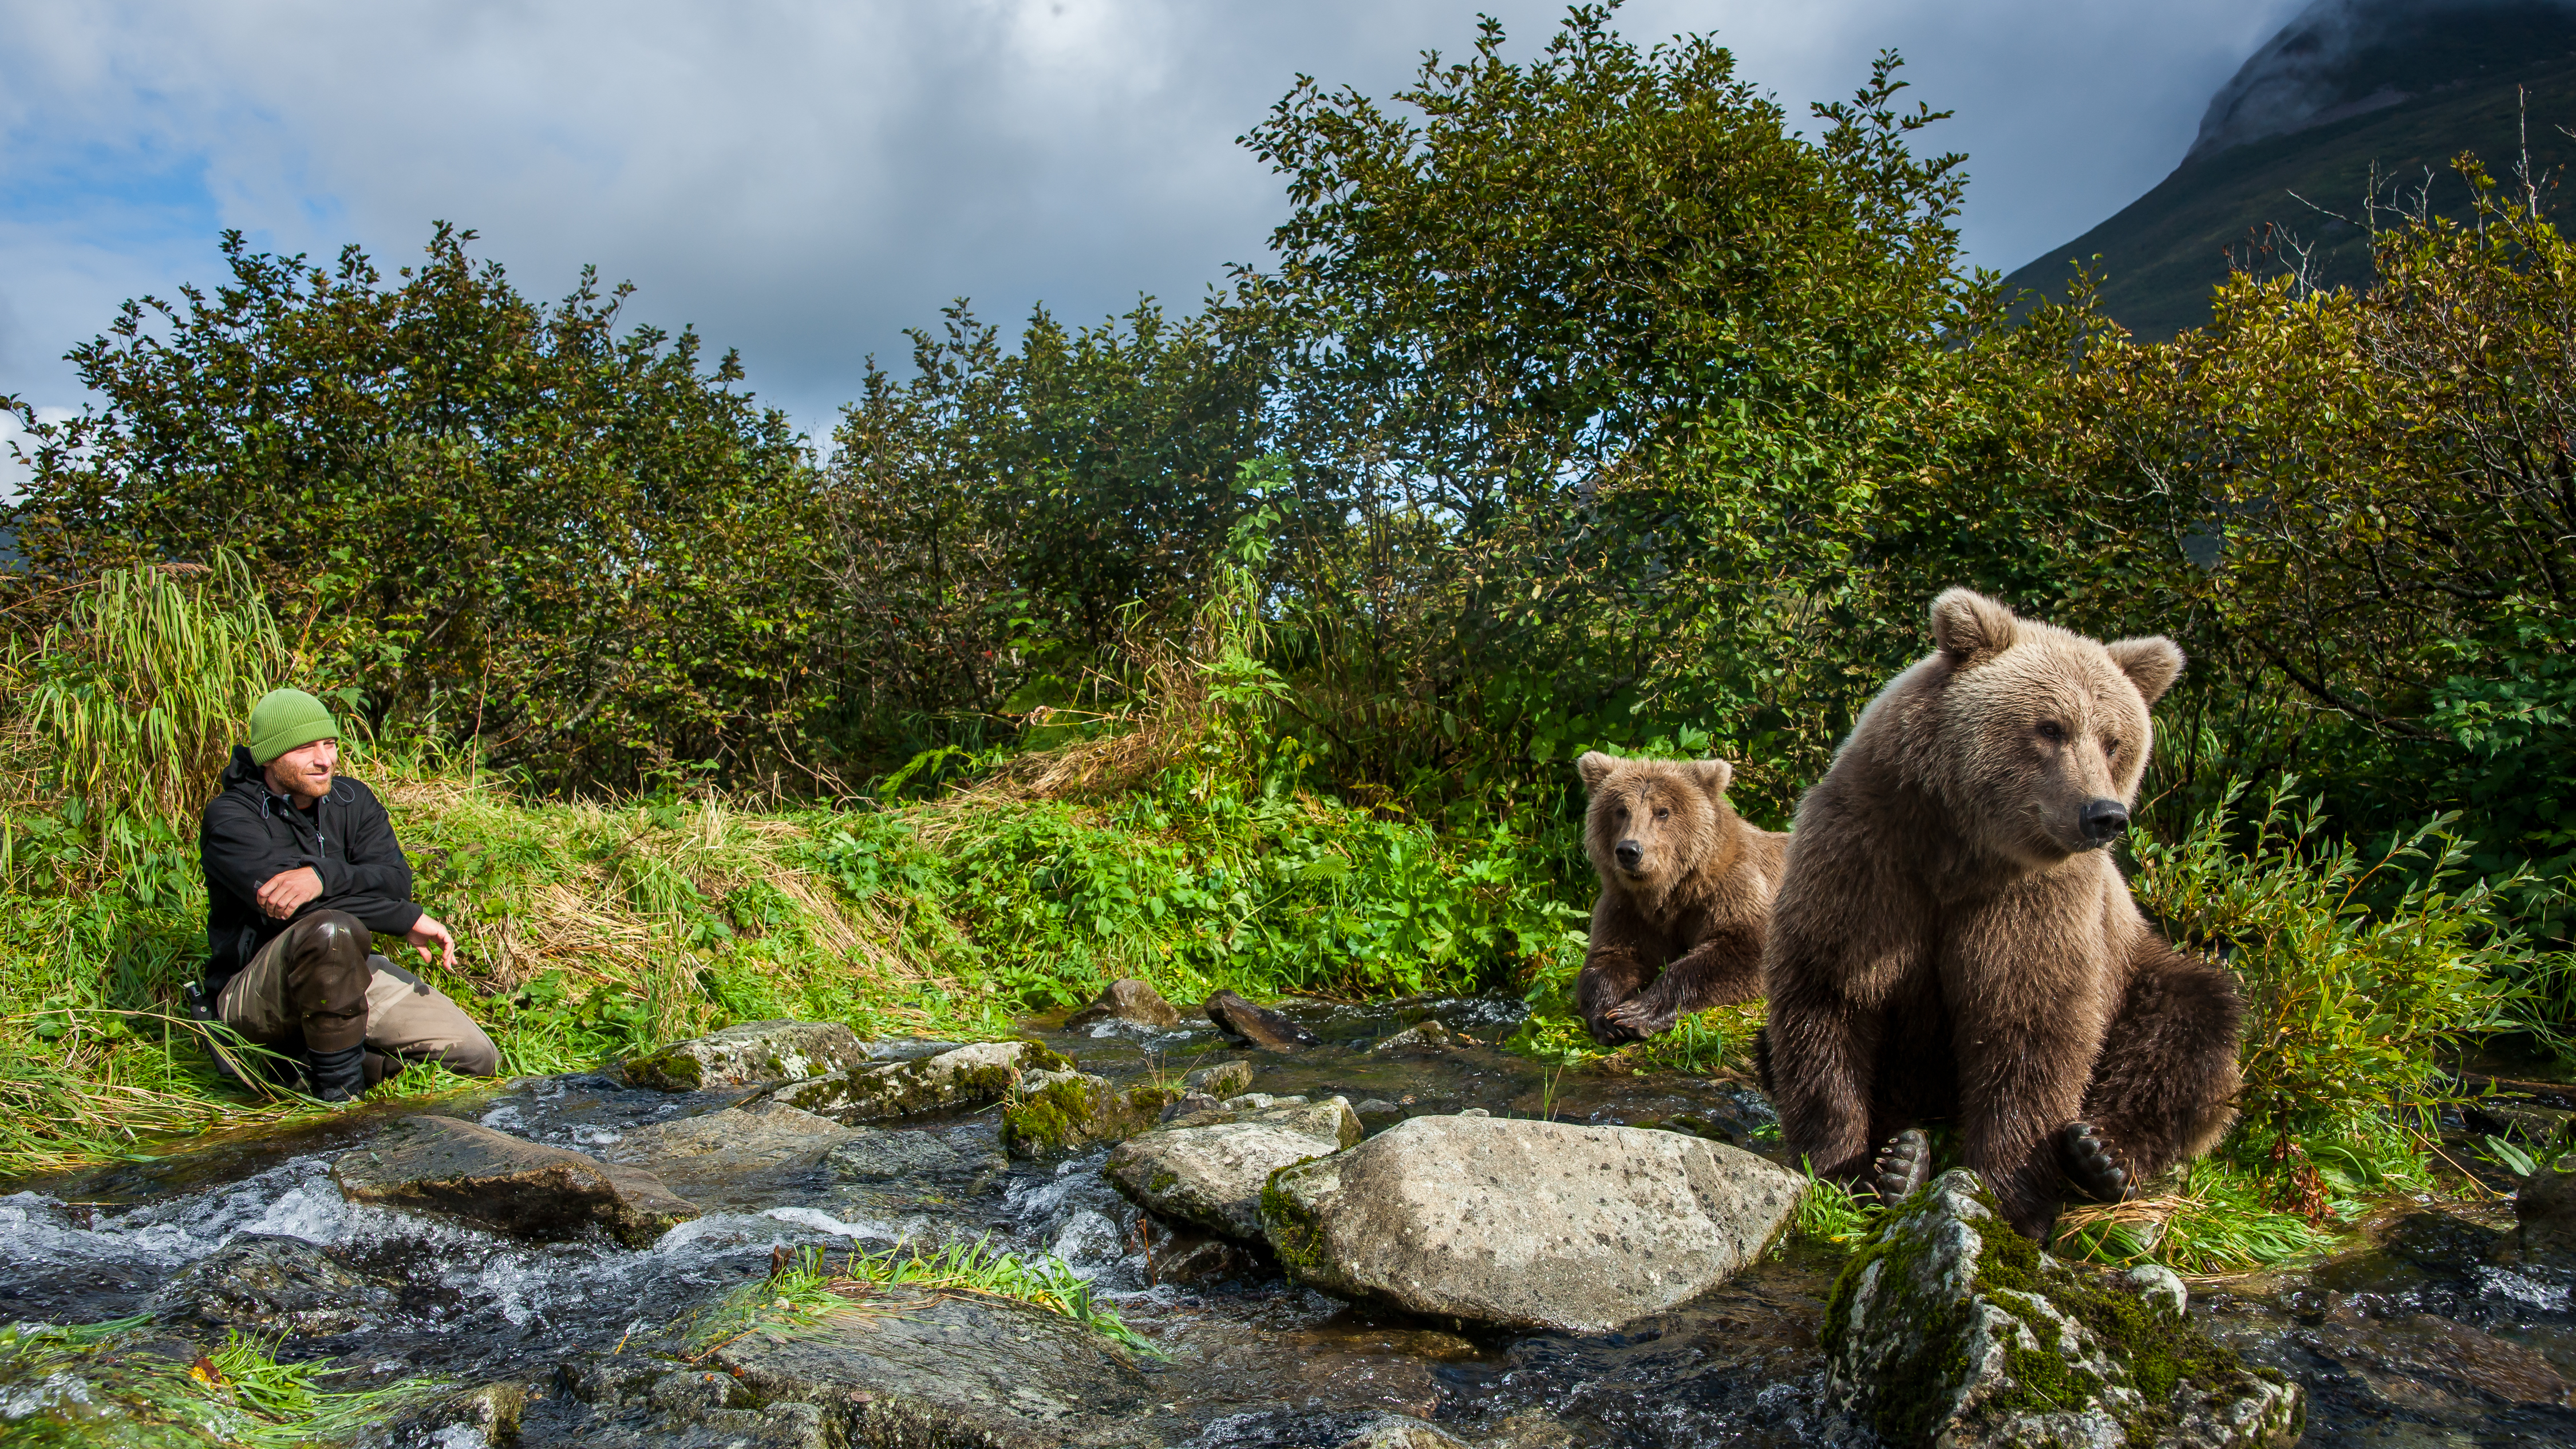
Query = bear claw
x=1903 y=1165
x=1637 y=1019
x=2092 y=1164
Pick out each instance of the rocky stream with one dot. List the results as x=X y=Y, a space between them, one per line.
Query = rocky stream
x=545 y=1252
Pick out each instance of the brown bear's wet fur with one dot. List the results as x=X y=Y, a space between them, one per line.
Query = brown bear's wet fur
x=1948 y=944
x=1681 y=929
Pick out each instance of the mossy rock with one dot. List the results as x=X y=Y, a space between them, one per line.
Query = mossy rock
x=1950 y=1327
x=964 y=1077
x=1058 y=1112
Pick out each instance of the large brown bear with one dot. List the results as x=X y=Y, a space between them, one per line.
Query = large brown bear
x=1686 y=887
x=1953 y=941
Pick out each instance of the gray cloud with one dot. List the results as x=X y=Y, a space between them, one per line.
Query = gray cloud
x=803 y=180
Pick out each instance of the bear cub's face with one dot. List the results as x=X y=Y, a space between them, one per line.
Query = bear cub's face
x=2046 y=732
x=1650 y=821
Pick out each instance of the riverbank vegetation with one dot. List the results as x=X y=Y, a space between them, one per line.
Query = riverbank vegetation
x=1592 y=401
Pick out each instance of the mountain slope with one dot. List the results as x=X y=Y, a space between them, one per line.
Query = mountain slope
x=2354 y=91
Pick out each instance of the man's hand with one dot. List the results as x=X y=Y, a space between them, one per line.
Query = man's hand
x=289 y=891
x=427 y=932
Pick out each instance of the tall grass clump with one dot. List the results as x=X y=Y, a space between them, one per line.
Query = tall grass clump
x=134 y=693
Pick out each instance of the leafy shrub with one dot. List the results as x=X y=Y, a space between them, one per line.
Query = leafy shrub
x=2362 y=976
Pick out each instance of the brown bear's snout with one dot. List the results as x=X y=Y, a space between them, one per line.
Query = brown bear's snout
x=1629 y=853
x=2102 y=821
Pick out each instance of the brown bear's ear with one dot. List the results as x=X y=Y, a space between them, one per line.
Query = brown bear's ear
x=1966 y=623
x=2152 y=663
x=1713 y=775
x=1594 y=767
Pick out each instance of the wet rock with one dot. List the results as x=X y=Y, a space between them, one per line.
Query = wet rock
x=258 y=1282
x=438 y=1164
x=1330 y=1120
x=961 y=1077
x=2545 y=1212
x=716 y=1150
x=1221 y=1081
x=2526 y=1122
x=1213 y=1174
x=1129 y=1000
x=1398 y=1431
x=909 y=1171
x=1526 y=1224
x=1427 y=1035
x=1263 y=1028
x=755 y=1051
x=1950 y=1327
x=1190 y=1104
x=955 y=1370
x=1187 y=1256
x=2416 y=1346
x=1059 y=1112
x=639 y=1407
x=481 y=1416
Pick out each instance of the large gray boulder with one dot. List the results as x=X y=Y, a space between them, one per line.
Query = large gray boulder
x=1951 y=1329
x=752 y=1052
x=964 y=1076
x=1128 y=1000
x=1212 y=1173
x=1526 y=1224
x=1054 y=1113
x=527 y=1189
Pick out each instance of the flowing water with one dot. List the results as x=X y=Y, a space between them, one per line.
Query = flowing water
x=2431 y=1330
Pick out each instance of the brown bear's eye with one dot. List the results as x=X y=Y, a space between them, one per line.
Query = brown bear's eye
x=2110 y=748
x=1664 y=814
x=2052 y=732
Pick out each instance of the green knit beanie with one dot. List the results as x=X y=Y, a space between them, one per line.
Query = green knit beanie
x=284 y=719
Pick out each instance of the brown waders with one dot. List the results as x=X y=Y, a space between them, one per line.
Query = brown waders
x=316 y=991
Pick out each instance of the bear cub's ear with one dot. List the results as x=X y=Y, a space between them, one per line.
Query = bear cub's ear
x=1713 y=775
x=2152 y=663
x=1594 y=767
x=1966 y=623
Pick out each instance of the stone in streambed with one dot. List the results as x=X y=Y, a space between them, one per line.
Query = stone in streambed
x=1400 y=1431
x=1526 y=1224
x=1423 y=1036
x=1223 y=1080
x=1950 y=1327
x=730 y=1157
x=1260 y=1026
x=259 y=1281
x=1054 y=1113
x=960 y=1370
x=1128 y=1000
x=1330 y=1120
x=2544 y=1212
x=961 y=1077
x=1212 y=1173
x=754 y=1051
x=466 y=1170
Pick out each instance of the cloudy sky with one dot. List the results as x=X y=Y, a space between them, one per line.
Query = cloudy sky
x=804 y=180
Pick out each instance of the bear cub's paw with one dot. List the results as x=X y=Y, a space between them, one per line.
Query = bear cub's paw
x=1903 y=1165
x=1638 y=1018
x=2093 y=1164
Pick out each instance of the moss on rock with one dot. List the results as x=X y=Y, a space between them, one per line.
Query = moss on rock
x=1949 y=1326
x=1055 y=1112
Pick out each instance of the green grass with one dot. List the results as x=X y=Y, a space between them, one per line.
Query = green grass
x=805 y=1291
x=237 y=1395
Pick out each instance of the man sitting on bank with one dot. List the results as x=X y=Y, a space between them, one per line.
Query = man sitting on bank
x=302 y=869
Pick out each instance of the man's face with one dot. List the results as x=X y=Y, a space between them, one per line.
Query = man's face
x=305 y=771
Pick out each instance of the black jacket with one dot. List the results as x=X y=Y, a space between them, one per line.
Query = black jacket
x=249 y=835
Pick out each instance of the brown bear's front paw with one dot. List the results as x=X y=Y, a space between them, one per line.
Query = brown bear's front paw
x=1608 y=1031
x=1640 y=1018
x=2093 y=1164
x=1903 y=1165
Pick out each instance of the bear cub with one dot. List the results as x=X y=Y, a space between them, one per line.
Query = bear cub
x=1686 y=887
x=1952 y=940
